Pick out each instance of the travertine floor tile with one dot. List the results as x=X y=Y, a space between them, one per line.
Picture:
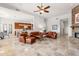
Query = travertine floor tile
x=63 y=46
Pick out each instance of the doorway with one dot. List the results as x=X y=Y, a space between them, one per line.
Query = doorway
x=5 y=29
x=64 y=27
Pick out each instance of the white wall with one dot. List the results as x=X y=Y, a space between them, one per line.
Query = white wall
x=36 y=21
x=11 y=21
x=10 y=17
x=39 y=23
x=56 y=21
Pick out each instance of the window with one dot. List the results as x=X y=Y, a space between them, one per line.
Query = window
x=5 y=29
x=10 y=28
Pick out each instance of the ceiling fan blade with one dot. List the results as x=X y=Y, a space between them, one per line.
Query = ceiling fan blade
x=46 y=11
x=47 y=7
x=37 y=11
x=39 y=7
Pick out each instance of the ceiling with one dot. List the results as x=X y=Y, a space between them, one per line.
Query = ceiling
x=54 y=10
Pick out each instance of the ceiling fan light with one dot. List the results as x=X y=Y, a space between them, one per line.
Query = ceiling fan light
x=41 y=11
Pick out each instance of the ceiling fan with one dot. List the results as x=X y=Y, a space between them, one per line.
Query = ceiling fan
x=42 y=9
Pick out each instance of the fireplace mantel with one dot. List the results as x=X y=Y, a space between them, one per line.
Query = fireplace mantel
x=74 y=27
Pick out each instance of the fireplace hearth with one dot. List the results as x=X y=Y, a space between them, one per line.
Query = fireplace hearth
x=75 y=30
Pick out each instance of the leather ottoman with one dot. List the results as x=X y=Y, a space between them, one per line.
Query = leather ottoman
x=30 y=40
x=21 y=39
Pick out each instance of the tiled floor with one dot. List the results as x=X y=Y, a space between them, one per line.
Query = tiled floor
x=63 y=46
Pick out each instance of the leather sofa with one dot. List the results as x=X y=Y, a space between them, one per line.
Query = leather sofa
x=25 y=38
x=52 y=35
x=36 y=34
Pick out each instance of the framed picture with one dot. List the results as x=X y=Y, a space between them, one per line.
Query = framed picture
x=77 y=18
x=54 y=27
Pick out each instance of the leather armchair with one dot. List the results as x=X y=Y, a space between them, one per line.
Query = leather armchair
x=22 y=37
x=52 y=35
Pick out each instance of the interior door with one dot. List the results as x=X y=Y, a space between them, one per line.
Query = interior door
x=63 y=27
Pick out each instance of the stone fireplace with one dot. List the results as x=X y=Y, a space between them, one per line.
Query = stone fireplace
x=75 y=24
x=75 y=31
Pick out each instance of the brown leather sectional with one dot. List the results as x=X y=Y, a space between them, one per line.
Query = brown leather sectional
x=25 y=38
x=36 y=34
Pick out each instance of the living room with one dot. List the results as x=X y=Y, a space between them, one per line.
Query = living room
x=26 y=29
